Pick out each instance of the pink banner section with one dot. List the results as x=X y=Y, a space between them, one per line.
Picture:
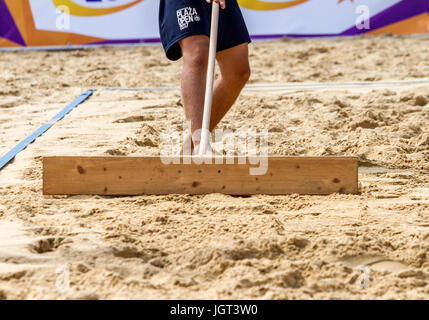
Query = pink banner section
x=18 y=26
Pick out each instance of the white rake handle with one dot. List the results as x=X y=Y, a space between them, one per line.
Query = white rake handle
x=205 y=130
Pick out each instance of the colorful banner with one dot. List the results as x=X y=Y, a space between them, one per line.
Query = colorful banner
x=61 y=23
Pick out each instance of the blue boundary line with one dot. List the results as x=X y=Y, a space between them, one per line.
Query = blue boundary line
x=31 y=138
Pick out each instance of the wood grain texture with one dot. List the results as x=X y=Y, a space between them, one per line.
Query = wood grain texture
x=148 y=175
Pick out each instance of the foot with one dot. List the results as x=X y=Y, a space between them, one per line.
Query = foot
x=209 y=152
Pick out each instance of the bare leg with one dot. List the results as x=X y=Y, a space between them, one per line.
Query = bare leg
x=235 y=71
x=195 y=59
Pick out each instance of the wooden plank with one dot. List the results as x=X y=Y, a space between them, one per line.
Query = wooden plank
x=148 y=175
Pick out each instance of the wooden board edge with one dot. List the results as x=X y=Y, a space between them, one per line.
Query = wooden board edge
x=46 y=159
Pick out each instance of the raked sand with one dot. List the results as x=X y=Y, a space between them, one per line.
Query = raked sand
x=218 y=246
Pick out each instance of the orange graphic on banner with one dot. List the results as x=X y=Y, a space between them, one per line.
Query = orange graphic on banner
x=417 y=24
x=22 y=14
x=77 y=10
x=265 y=5
x=8 y=44
x=16 y=8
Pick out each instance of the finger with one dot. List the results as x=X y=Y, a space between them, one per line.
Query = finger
x=221 y=2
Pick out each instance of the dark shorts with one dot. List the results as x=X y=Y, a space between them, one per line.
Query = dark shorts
x=179 y=19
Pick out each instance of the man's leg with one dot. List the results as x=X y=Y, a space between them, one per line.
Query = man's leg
x=235 y=72
x=195 y=51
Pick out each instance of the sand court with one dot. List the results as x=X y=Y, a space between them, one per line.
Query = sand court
x=220 y=246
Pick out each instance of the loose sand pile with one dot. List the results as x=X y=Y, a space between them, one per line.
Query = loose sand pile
x=218 y=246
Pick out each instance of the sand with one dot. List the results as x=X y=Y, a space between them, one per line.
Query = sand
x=217 y=246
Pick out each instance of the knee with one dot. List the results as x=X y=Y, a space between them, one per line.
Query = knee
x=244 y=74
x=240 y=75
x=197 y=56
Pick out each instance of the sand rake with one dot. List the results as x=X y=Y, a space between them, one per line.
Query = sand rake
x=208 y=101
x=120 y=176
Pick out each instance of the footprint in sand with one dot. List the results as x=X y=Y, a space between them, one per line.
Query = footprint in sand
x=20 y=253
x=378 y=263
x=135 y=119
x=116 y=152
x=147 y=136
x=46 y=245
x=421 y=101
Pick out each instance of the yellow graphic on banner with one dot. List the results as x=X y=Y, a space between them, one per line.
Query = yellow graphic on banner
x=265 y=5
x=82 y=11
